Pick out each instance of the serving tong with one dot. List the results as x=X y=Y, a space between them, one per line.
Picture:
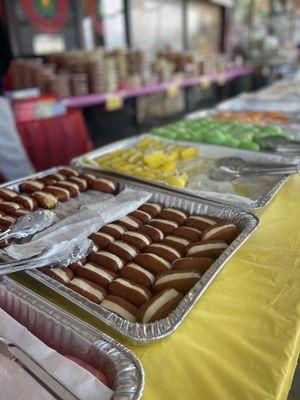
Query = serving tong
x=231 y=168
x=279 y=144
x=29 y=225
x=58 y=255
x=53 y=385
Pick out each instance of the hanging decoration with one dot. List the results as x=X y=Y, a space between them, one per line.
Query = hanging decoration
x=49 y=16
x=92 y=11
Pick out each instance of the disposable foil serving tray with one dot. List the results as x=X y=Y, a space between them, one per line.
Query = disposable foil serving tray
x=213 y=152
x=145 y=333
x=292 y=127
x=69 y=335
x=248 y=102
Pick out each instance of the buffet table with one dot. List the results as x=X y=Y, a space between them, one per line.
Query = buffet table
x=241 y=341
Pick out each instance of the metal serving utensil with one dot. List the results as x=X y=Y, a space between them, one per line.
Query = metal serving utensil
x=53 y=385
x=29 y=225
x=280 y=144
x=59 y=255
x=231 y=168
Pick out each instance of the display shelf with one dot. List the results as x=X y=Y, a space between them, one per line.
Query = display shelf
x=93 y=99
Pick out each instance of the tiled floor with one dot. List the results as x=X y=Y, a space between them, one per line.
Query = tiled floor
x=295 y=390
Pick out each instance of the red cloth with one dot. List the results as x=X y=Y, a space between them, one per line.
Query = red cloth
x=55 y=141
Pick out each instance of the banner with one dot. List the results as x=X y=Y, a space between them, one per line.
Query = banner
x=49 y=16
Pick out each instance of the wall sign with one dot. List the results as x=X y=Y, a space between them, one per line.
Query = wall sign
x=48 y=16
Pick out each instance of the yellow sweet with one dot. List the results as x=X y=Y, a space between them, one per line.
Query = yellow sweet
x=184 y=176
x=145 y=142
x=155 y=159
x=176 y=181
x=118 y=152
x=189 y=152
x=169 y=166
x=135 y=157
x=173 y=156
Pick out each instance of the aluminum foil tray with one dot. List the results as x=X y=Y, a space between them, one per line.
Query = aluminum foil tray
x=68 y=335
x=248 y=102
x=145 y=333
x=292 y=127
x=259 y=199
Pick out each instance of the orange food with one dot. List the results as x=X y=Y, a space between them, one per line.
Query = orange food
x=258 y=118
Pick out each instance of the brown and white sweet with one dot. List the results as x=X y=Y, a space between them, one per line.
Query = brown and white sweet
x=4 y=244
x=207 y=248
x=91 y=290
x=199 y=264
x=97 y=274
x=135 y=273
x=180 y=280
x=62 y=194
x=26 y=202
x=173 y=214
x=45 y=200
x=94 y=249
x=68 y=172
x=177 y=242
x=77 y=264
x=57 y=177
x=62 y=275
x=188 y=233
x=9 y=206
x=6 y=221
x=156 y=235
x=164 y=251
x=141 y=216
x=159 y=306
x=200 y=222
x=129 y=222
x=226 y=231
x=80 y=182
x=166 y=226
x=120 y=306
x=89 y=178
x=136 y=239
x=104 y=185
x=114 y=230
x=19 y=212
x=72 y=188
x=31 y=186
x=123 y=250
x=152 y=262
x=101 y=239
x=132 y=292
x=151 y=208
x=107 y=260
x=47 y=180
x=8 y=194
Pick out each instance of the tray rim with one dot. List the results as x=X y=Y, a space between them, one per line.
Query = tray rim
x=260 y=202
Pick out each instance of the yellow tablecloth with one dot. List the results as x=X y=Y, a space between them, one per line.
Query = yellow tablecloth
x=241 y=341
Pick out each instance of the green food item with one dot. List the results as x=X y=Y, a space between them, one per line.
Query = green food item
x=215 y=137
x=245 y=144
x=231 y=142
x=197 y=136
x=227 y=133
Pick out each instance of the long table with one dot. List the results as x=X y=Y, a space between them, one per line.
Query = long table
x=242 y=340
